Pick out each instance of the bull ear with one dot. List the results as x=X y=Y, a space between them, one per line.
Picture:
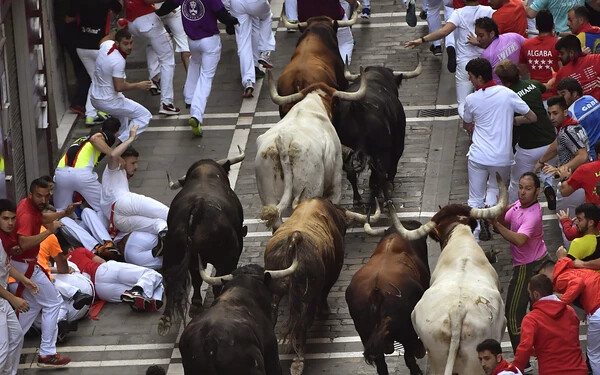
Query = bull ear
x=226 y=166
x=267 y=279
x=398 y=79
x=435 y=235
x=335 y=26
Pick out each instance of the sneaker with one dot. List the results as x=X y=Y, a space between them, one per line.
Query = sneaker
x=136 y=299
x=158 y=249
x=248 y=89
x=168 y=109
x=91 y=121
x=81 y=299
x=484 y=231
x=411 y=17
x=188 y=106
x=366 y=13
x=264 y=59
x=423 y=14
x=550 y=197
x=154 y=305
x=78 y=109
x=196 y=126
x=258 y=73
x=52 y=361
x=528 y=369
x=436 y=50
x=451 y=52
x=155 y=88
x=103 y=115
x=293 y=22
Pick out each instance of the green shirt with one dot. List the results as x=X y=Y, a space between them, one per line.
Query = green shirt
x=542 y=132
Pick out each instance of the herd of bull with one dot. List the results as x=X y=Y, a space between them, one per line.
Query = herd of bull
x=299 y=162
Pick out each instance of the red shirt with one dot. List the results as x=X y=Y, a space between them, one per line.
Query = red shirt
x=138 y=8
x=83 y=259
x=28 y=223
x=587 y=176
x=586 y=70
x=541 y=57
x=552 y=329
x=9 y=240
x=460 y=3
x=574 y=282
x=511 y=18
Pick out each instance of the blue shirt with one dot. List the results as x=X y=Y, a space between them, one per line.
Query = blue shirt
x=586 y=111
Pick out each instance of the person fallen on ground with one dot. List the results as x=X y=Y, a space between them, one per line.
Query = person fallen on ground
x=551 y=330
x=490 y=356
x=140 y=287
x=137 y=248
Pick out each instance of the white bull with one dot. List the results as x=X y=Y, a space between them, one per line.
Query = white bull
x=463 y=305
x=301 y=156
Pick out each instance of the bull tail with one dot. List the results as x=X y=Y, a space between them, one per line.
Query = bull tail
x=456 y=316
x=375 y=344
x=271 y=214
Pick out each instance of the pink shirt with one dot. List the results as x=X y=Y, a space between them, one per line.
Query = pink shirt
x=527 y=221
x=505 y=46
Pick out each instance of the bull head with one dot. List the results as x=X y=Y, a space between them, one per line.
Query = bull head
x=404 y=75
x=351 y=215
x=423 y=230
x=273 y=274
x=296 y=97
x=174 y=185
x=302 y=25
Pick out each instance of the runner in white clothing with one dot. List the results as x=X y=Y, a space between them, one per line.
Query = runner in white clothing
x=127 y=211
x=108 y=84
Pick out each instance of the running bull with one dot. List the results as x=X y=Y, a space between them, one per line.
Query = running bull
x=314 y=235
x=383 y=294
x=301 y=156
x=372 y=130
x=463 y=305
x=205 y=221
x=235 y=335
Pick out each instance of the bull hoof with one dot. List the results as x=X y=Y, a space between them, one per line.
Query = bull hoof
x=195 y=310
x=164 y=325
x=420 y=350
x=297 y=367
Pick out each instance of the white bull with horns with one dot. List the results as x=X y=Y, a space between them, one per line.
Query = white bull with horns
x=463 y=305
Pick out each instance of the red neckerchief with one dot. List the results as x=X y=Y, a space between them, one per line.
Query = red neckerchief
x=115 y=48
x=566 y=122
x=588 y=28
x=489 y=83
x=505 y=366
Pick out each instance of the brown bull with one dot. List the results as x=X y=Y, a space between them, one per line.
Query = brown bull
x=316 y=59
x=314 y=235
x=382 y=295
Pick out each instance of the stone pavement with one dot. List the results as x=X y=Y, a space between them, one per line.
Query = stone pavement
x=432 y=172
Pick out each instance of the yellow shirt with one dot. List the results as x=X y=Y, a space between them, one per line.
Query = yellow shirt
x=584 y=247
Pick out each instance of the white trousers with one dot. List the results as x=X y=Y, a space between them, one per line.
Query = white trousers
x=83 y=180
x=173 y=21
x=11 y=339
x=79 y=233
x=345 y=42
x=434 y=20
x=113 y=278
x=568 y=203
x=206 y=53
x=291 y=9
x=47 y=301
x=246 y=12
x=151 y=31
x=67 y=285
x=525 y=160
x=478 y=183
x=127 y=111
x=138 y=250
x=593 y=341
x=136 y=212
x=96 y=224
x=463 y=86
x=88 y=58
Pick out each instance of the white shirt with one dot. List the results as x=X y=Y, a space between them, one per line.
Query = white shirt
x=492 y=111
x=464 y=20
x=4 y=266
x=107 y=66
x=114 y=186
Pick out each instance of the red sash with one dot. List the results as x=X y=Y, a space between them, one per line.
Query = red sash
x=30 y=268
x=112 y=230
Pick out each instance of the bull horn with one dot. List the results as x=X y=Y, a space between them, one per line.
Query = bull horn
x=488 y=213
x=278 y=274
x=363 y=218
x=352 y=20
x=174 y=185
x=349 y=75
x=409 y=235
x=412 y=74
x=289 y=25
x=234 y=159
x=354 y=96
x=281 y=100
x=210 y=279
x=373 y=232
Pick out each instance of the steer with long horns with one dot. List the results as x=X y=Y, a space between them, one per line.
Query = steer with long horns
x=463 y=305
x=301 y=156
x=373 y=129
x=314 y=235
x=235 y=335
x=205 y=219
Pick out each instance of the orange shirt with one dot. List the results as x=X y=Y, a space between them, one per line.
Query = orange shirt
x=49 y=248
x=511 y=18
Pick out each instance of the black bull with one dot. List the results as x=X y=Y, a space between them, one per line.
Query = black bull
x=205 y=220
x=373 y=130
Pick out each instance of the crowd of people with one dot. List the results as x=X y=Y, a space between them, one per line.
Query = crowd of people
x=75 y=240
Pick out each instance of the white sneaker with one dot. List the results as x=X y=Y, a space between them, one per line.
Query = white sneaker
x=264 y=59
x=168 y=109
x=248 y=89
